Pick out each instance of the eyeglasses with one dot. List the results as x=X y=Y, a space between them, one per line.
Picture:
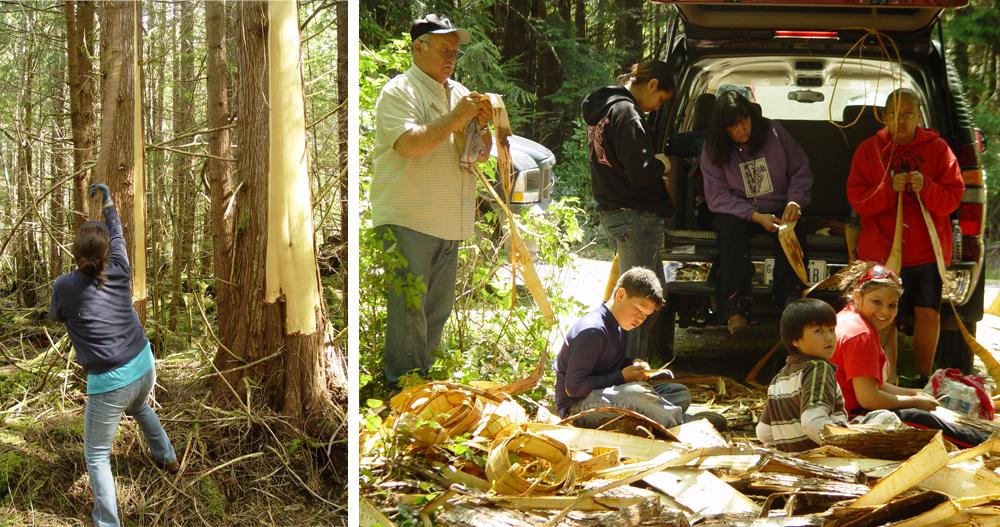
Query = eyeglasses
x=446 y=55
x=880 y=274
x=457 y=54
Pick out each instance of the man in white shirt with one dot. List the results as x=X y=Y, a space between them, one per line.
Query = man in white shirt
x=423 y=203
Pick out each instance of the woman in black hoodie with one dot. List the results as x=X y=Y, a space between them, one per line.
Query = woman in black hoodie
x=628 y=175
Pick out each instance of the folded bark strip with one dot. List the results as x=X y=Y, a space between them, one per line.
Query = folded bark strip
x=908 y=474
x=529 y=464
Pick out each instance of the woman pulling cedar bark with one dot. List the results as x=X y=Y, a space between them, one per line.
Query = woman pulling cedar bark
x=95 y=302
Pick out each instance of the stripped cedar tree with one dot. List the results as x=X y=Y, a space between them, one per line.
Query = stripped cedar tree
x=274 y=332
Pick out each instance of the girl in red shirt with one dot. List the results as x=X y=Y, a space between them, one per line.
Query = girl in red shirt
x=873 y=302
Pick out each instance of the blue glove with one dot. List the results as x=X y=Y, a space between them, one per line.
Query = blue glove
x=105 y=191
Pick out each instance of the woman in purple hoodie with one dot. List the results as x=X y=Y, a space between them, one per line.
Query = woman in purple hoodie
x=756 y=178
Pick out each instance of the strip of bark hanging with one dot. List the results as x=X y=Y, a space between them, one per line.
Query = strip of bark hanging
x=792 y=249
x=290 y=244
x=609 y=287
x=531 y=279
x=895 y=259
x=138 y=170
x=992 y=366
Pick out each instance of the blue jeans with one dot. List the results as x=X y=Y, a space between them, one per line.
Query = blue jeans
x=413 y=333
x=100 y=422
x=637 y=235
x=664 y=403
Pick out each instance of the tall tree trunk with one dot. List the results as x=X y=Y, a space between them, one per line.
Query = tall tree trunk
x=628 y=32
x=119 y=163
x=580 y=19
x=342 y=133
x=26 y=254
x=80 y=23
x=274 y=333
x=183 y=122
x=155 y=163
x=219 y=181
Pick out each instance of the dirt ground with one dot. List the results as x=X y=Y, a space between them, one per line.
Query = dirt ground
x=710 y=350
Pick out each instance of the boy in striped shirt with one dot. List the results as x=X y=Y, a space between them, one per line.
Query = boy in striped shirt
x=804 y=396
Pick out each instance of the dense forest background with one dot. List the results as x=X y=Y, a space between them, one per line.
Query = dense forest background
x=237 y=250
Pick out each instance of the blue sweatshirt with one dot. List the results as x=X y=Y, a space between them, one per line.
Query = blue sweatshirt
x=100 y=320
x=763 y=181
x=591 y=358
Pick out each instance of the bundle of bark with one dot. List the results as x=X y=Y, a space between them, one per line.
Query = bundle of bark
x=523 y=472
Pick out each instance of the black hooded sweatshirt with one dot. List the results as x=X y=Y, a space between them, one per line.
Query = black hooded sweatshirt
x=624 y=173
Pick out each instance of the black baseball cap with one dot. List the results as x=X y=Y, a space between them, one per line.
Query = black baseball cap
x=437 y=24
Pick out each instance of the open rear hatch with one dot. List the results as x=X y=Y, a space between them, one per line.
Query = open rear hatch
x=887 y=16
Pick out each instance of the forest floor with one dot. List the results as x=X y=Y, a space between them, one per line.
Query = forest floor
x=242 y=466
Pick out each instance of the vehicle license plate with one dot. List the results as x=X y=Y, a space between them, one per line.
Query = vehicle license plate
x=817 y=271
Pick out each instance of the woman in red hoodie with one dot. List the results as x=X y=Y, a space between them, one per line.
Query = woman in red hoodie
x=904 y=157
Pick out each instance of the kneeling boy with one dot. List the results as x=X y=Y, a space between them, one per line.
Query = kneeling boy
x=592 y=370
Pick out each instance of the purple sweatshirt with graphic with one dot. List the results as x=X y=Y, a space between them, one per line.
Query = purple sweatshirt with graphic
x=764 y=180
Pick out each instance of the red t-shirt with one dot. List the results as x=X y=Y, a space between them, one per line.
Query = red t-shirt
x=859 y=354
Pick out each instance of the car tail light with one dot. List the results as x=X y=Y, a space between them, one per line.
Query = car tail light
x=971 y=217
x=830 y=35
x=967 y=156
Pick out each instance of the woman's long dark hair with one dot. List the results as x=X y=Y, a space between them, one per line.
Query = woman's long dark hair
x=729 y=109
x=91 y=249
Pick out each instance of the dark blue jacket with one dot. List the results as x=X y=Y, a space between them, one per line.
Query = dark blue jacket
x=591 y=358
x=100 y=320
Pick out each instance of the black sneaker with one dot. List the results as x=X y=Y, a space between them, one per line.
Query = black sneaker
x=717 y=420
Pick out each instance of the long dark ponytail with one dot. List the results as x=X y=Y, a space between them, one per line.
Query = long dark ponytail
x=91 y=249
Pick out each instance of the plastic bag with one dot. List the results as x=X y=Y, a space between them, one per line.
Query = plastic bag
x=964 y=394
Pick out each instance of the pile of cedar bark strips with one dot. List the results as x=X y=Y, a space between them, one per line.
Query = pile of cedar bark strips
x=511 y=470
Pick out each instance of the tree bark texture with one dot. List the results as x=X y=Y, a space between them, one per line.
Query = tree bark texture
x=184 y=198
x=80 y=22
x=342 y=134
x=289 y=370
x=116 y=162
x=27 y=258
x=219 y=180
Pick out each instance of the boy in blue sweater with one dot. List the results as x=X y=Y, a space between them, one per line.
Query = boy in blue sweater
x=592 y=370
x=95 y=302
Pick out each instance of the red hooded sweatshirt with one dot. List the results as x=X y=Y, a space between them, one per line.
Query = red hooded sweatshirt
x=869 y=189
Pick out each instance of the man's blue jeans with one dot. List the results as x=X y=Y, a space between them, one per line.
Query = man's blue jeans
x=412 y=334
x=664 y=403
x=100 y=422
x=637 y=235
